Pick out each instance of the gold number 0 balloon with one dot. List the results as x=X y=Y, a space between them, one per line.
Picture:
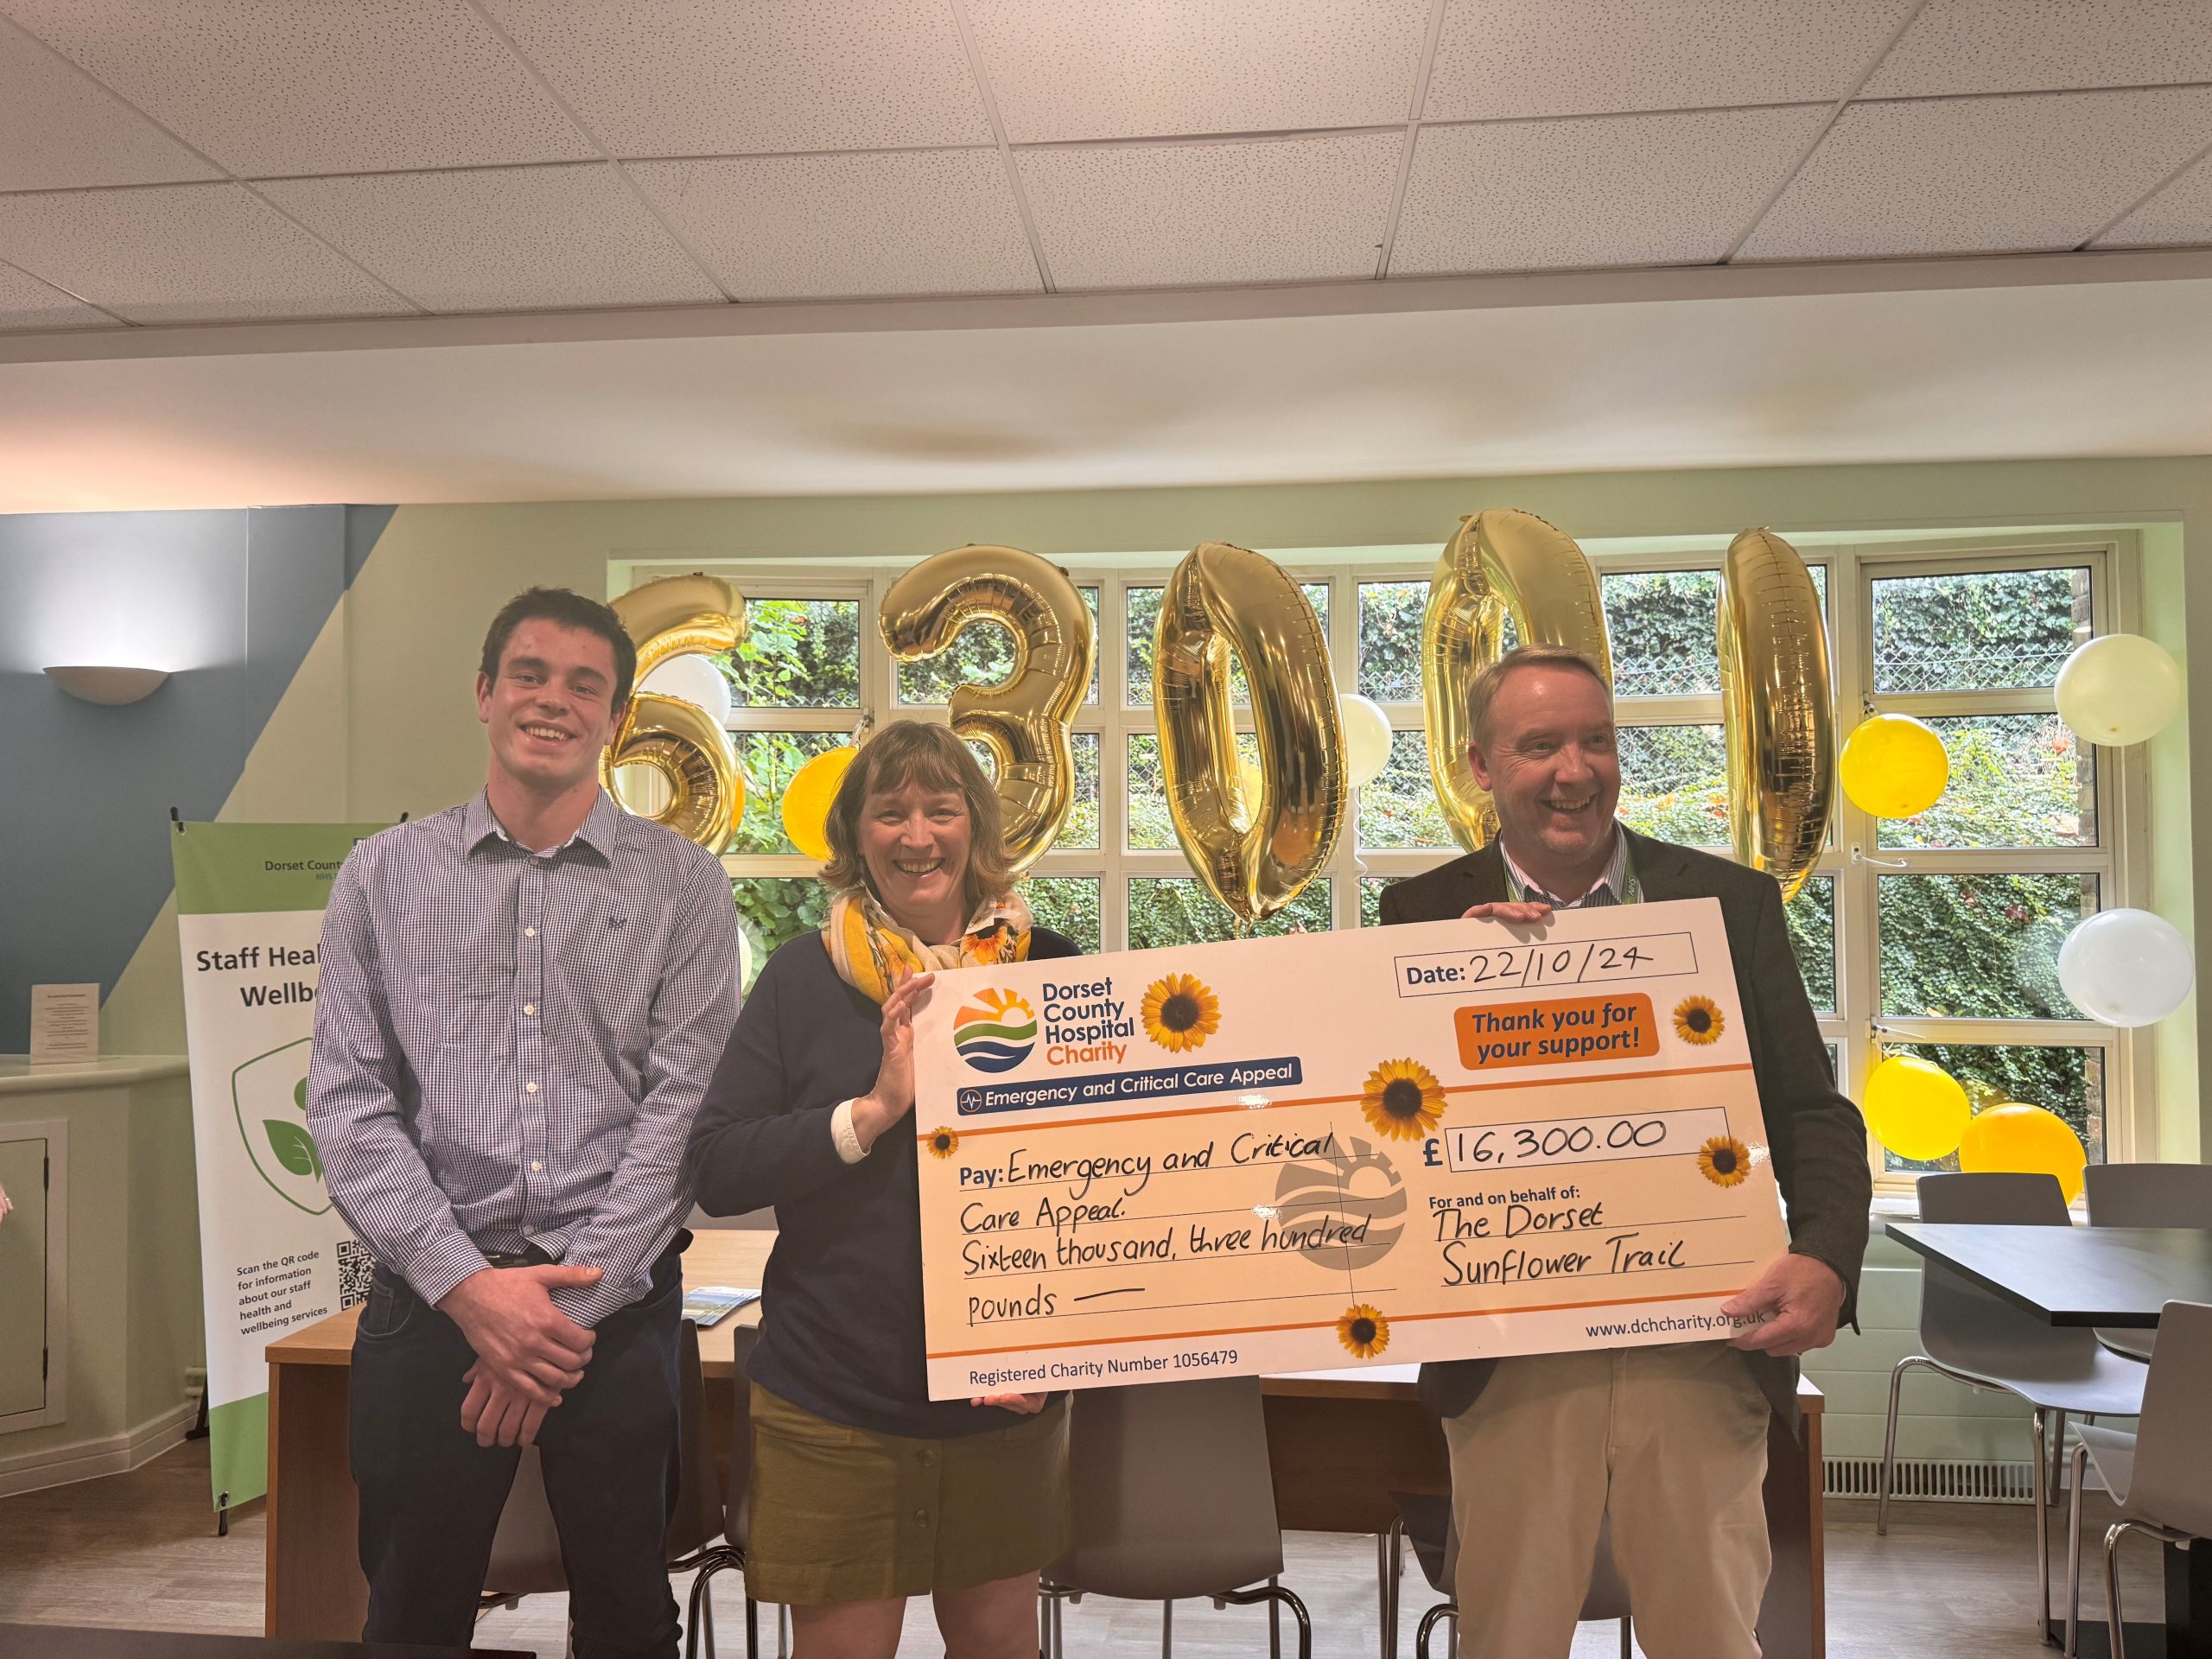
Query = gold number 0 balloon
x=1503 y=562
x=1024 y=722
x=1779 y=708
x=679 y=741
x=1254 y=854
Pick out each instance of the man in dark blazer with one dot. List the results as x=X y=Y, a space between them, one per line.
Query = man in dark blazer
x=1668 y=1442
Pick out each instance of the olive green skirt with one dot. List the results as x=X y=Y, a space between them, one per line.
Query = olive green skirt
x=841 y=1514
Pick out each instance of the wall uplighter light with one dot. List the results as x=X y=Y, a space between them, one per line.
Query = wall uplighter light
x=109 y=685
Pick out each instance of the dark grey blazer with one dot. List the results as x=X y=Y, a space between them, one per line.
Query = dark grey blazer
x=1818 y=1142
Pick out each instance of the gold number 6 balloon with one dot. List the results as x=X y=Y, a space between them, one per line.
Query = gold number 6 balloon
x=678 y=743
x=1778 y=707
x=1024 y=721
x=1502 y=562
x=1256 y=855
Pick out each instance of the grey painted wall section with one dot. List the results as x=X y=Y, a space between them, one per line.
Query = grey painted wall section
x=230 y=601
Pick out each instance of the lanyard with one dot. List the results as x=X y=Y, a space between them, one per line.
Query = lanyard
x=1631 y=889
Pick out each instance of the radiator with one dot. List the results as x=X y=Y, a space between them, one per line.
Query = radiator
x=1944 y=1479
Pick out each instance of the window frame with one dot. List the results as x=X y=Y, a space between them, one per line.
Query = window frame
x=2118 y=860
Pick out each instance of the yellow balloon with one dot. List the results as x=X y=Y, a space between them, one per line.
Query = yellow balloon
x=1502 y=563
x=682 y=765
x=807 y=798
x=1915 y=1109
x=1777 y=708
x=2025 y=1139
x=1255 y=853
x=1894 y=766
x=1026 y=721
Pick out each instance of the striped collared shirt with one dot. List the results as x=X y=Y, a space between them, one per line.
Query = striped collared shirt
x=510 y=1046
x=1611 y=888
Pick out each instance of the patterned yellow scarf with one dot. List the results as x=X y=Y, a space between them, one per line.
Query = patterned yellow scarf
x=872 y=953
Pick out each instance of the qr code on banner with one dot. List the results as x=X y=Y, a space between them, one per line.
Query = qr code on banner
x=355 y=1265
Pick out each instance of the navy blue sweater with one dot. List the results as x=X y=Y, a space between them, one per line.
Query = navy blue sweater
x=841 y=1299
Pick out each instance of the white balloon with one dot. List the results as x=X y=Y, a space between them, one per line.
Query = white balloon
x=2118 y=690
x=2126 y=966
x=693 y=679
x=1367 y=737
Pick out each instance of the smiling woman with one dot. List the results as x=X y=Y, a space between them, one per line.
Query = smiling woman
x=812 y=1112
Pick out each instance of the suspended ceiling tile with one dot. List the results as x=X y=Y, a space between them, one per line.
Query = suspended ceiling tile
x=1174 y=215
x=774 y=227
x=1980 y=174
x=718 y=77
x=1504 y=59
x=277 y=87
x=2026 y=46
x=60 y=129
x=2178 y=216
x=183 y=254
x=1166 y=67
x=521 y=238
x=1606 y=190
x=26 y=302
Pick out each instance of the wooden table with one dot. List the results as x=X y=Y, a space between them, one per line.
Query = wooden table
x=2078 y=1276
x=1340 y=1444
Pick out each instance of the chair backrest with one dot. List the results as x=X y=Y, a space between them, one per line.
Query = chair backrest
x=1992 y=1199
x=1172 y=1494
x=1968 y=1328
x=2172 y=1481
x=526 y=1548
x=698 y=1515
x=2149 y=1195
x=737 y=1525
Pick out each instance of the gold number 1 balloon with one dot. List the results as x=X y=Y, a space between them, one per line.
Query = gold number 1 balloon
x=1024 y=722
x=677 y=741
x=1502 y=563
x=1777 y=708
x=1255 y=854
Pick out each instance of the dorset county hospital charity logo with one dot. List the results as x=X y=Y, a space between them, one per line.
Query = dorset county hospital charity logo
x=996 y=1032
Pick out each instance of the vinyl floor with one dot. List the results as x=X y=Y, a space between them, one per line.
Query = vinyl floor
x=1951 y=1579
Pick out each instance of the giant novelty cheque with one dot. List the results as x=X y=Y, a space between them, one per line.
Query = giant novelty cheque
x=1437 y=1141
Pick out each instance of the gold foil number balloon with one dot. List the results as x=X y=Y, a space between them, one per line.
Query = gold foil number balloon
x=1255 y=854
x=670 y=760
x=1502 y=563
x=1025 y=720
x=1777 y=708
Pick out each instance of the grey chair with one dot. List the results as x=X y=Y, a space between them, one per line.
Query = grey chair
x=526 y=1548
x=2161 y=1476
x=1974 y=1337
x=1173 y=1499
x=734 y=1521
x=2146 y=1195
x=1425 y=1522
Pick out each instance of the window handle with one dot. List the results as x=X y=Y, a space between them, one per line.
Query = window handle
x=1859 y=855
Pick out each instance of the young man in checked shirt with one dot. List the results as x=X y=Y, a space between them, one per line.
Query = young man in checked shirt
x=522 y=1000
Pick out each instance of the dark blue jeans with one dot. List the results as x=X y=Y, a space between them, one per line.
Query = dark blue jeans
x=431 y=1496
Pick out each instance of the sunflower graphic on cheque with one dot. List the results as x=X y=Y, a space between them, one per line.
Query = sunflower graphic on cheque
x=1402 y=1099
x=1180 y=1012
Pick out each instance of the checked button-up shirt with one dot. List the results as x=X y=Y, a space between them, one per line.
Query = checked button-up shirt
x=510 y=1046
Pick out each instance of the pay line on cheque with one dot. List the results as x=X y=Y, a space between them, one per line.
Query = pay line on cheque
x=1030 y=1126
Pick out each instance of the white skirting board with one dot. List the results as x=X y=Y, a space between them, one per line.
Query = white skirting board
x=111 y=1454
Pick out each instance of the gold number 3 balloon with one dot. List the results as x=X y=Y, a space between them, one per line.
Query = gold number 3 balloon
x=1777 y=708
x=678 y=744
x=1502 y=563
x=1254 y=854
x=1024 y=721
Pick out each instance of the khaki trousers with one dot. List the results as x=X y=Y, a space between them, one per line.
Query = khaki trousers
x=1670 y=1442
